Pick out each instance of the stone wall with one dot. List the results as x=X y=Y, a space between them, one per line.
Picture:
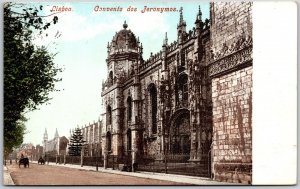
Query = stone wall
x=151 y=141
x=232 y=120
x=231 y=72
x=231 y=26
x=220 y=96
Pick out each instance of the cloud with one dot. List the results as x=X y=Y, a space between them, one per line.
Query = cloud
x=147 y=23
x=73 y=26
x=81 y=79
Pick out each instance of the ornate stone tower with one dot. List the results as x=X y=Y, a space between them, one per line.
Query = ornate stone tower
x=181 y=27
x=200 y=96
x=124 y=56
x=124 y=53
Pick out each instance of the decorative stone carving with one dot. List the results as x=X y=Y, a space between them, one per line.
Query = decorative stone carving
x=119 y=67
x=206 y=23
x=241 y=42
x=231 y=61
x=131 y=71
x=203 y=136
x=121 y=78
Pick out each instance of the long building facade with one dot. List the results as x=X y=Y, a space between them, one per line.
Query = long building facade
x=92 y=137
x=190 y=103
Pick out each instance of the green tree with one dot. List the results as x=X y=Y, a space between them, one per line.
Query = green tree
x=16 y=136
x=76 y=143
x=29 y=71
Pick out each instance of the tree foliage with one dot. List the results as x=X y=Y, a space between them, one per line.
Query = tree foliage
x=29 y=71
x=76 y=143
x=15 y=135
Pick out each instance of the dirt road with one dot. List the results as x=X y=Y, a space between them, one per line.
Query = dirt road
x=53 y=175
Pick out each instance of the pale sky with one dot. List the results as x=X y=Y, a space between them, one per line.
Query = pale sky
x=82 y=52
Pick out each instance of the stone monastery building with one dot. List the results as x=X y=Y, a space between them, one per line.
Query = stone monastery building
x=55 y=146
x=189 y=106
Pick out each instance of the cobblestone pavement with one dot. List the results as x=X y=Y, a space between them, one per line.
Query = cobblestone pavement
x=58 y=175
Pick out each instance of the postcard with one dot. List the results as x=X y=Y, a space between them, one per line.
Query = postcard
x=149 y=93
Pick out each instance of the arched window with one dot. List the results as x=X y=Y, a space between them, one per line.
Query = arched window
x=182 y=59
x=129 y=140
x=111 y=78
x=182 y=90
x=108 y=115
x=153 y=105
x=129 y=108
x=108 y=141
x=96 y=134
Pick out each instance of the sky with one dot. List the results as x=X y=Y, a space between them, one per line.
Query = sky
x=81 y=51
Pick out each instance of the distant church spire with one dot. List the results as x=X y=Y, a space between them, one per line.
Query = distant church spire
x=45 y=135
x=56 y=134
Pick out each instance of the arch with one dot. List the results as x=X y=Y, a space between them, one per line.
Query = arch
x=177 y=114
x=179 y=132
x=108 y=141
x=129 y=108
x=153 y=104
x=108 y=115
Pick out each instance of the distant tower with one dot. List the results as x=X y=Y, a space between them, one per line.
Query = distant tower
x=45 y=140
x=56 y=134
x=56 y=138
